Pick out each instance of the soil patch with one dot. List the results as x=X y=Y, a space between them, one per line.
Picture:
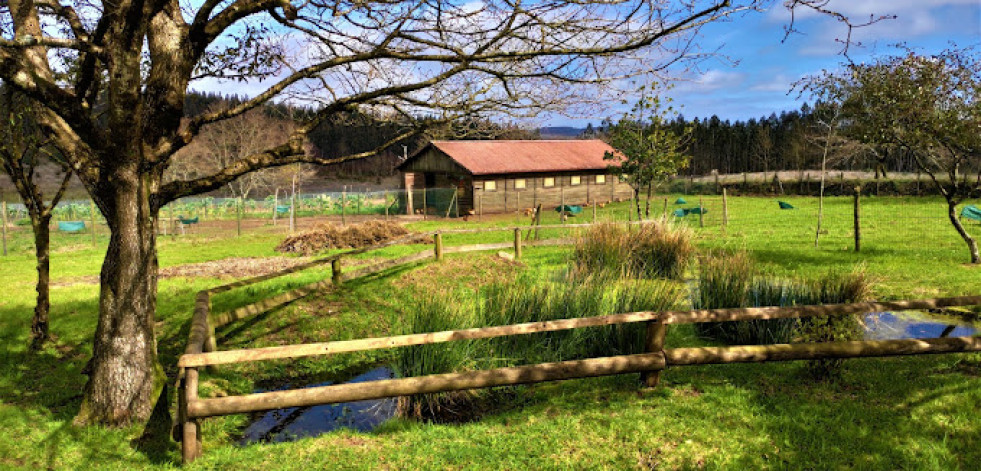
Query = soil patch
x=234 y=267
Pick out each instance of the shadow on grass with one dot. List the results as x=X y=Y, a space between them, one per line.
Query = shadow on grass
x=48 y=384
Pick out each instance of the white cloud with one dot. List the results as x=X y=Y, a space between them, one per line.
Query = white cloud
x=712 y=80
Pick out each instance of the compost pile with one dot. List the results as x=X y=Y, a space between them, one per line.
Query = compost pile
x=328 y=236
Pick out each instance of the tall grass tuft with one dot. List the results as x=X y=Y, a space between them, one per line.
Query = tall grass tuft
x=527 y=299
x=657 y=249
x=834 y=287
x=730 y=281
x=450 y=357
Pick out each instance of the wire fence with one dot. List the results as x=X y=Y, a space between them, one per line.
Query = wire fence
x=780 y=220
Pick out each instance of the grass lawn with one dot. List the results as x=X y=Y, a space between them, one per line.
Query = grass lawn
x=916 y=412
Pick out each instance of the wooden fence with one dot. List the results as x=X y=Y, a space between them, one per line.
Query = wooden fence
x=202 y=351
x=201 y=338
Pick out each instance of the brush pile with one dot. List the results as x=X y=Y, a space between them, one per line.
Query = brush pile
x=328 y=236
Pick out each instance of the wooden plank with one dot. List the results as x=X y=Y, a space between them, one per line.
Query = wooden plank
x=268 y=304
x=478 y=247
x=426 y=384
x=668 y=317
x=745 y=314
x=314 y=263
x=814 y=351
x=198 y=334
x=654 y=343
x=382 y=266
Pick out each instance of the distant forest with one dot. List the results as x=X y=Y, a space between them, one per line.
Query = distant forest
x=786 y=141
x=792 y=140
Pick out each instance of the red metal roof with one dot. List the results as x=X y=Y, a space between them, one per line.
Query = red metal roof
x=495 y=157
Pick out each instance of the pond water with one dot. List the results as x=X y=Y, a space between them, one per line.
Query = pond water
x=916 y=325
x=297 y=422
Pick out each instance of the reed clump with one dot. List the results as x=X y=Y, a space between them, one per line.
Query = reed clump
x=731 y=281
x=657 y=249
x=527 y=299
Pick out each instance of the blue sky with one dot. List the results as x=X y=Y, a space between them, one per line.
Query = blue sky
x=767 y=66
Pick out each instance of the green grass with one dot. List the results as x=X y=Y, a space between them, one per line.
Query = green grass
x=915 y=413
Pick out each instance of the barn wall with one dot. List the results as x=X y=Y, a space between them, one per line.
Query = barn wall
x=506 y=197
x=433 y=161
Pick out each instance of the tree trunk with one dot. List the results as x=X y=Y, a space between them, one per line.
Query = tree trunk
x=972 y=244
x=647 y=202
x=39 y=324
x=124 y=375
x=636 y=202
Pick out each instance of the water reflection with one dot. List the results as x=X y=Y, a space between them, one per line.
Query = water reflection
x=297 y=422
x=915 y=325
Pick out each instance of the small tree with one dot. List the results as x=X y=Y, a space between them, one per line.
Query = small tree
x=22 y=152
x=648 y=151
x=927 y=105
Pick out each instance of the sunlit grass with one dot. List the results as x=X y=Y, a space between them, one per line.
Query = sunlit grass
x=915 y=413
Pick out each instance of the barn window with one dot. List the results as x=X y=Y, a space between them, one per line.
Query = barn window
x=490 y=185
x=519 y=184
x=576 y=179
x=600 y=179
x=548 y=182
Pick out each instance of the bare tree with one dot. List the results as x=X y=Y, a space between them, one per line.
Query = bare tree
x=22 y=151
x=222 y=143
x=111 y=79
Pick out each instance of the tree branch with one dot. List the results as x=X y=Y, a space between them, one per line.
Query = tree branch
x=278 y=156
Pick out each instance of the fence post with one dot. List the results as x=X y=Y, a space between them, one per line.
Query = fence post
x=480 y=205
x=562 y=203
x=438 y=243
x=173 y=224
x=335 y=271
x=190 y=433
x=3 y=222
x=656 y=331
x=343 y=205
x=385 y=198
x=275 y=205
x=517 y=243
x=594 y=210
x=725 y=209
x=665 y=212
x=701 y=213
x=92 y=219
x=858 y=226
x=238 y=216
x=425 y=211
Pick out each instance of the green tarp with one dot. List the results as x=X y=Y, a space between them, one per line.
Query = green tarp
x=971 y=212
x=784 y=205
x=573 y=210
x=282 y=209
x=186 y=221
x=680 y=201
x=71 y=226
x=682 y=212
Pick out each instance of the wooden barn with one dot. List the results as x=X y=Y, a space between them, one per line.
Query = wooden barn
x=501 y=176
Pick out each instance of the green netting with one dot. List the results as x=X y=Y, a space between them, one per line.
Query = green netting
x=436 y=201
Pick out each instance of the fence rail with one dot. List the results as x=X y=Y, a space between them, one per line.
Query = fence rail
x=202 y=351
